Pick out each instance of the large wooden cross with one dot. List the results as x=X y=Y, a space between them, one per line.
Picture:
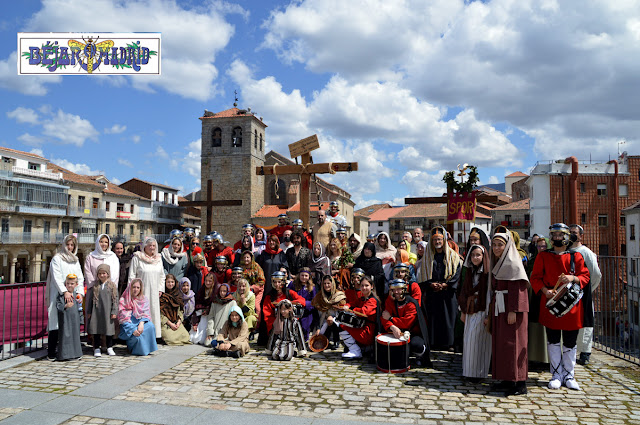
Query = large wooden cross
x=210 y=203
x=303 y=148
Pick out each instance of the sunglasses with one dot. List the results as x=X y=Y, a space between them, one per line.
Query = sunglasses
x=195 y=243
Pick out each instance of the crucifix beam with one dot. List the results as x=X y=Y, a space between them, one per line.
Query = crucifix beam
x=307 y=168
x=209 y=203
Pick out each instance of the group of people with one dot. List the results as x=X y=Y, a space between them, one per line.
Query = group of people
x=293 y=287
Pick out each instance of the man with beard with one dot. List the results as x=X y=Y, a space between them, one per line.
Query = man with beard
x=441 y=267
x=334 y=215
x=281 y=227
x=417 y=238
x=297 y=256
x=307 y=241
x=208 y=253
x=324 y=230
x=221 y=249
x=341 y=233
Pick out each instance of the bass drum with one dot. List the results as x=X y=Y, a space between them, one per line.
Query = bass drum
x=392 y=354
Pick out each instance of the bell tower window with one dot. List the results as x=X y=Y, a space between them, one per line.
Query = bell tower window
x=237 y=137
x=216 y=138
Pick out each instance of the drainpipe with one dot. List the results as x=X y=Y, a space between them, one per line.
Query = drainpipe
x=573 y=189
x=616 y=215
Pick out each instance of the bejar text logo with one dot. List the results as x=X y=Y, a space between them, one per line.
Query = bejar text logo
x=89 y=53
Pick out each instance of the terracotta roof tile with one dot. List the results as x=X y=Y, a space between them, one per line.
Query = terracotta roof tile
x=270 y=211
x=153 y=184
x=518 y=174
x=367 y=211
x=22 y=153
x=518 y=205
x=73 y=177
x=384 y=214
x=424 y=210
x=296 y=207
x=232 y=112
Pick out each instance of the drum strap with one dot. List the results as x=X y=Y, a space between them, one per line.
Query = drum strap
x=572 y=263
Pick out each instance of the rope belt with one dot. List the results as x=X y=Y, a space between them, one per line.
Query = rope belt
x=500 y=307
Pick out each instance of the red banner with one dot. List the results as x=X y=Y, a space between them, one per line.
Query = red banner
x=461 y=207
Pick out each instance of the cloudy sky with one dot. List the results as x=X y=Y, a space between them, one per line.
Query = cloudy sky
x=408 y=88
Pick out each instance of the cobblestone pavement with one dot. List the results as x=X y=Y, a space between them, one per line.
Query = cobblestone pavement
x=88 y=420
x=324 y=386
x=64 y=377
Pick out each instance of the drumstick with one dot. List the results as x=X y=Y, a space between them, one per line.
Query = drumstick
x=558 y=282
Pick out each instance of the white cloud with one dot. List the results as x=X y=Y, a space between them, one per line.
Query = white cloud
x=422 y=183
x=31 y=140
x=69 y=129
x=161 y=153
x=77 y=168
x=135 y=138
x=494 y=180
x=125 y=162
x=23 y=115
x=34 y=85
x=190 y=162
x=115 y=180
x=37 y=152
x=191 y=37
x=115 y=129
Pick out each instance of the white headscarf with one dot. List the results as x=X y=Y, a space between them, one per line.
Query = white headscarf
x=65 y=254
x=98 y=252
x=170 y=256
x=509 y=265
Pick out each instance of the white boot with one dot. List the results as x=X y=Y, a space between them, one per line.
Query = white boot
x=568 y=365
x=555 y=365
x=354 y=349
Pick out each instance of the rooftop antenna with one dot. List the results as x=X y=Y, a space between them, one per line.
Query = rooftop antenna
x=235 y=103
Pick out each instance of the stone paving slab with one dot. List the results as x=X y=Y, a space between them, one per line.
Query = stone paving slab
x=36 y=418
x=324 y=386
x=144 y=412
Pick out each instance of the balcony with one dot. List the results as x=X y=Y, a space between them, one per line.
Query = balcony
x=19 y=238
x=35 y=173
x=52 y=210
x=86 y=212
x=506 y=223
x=87 y=238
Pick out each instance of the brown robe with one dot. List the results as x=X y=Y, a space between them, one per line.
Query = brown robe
x=509 y=342
x=238 y=337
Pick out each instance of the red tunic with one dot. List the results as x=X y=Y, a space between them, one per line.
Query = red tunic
x=223 y=276
x=269 y=310
x=352 y=296
x=226 y=252
x=279 y=231
x=209 y=257
x=366 y=334
x=546 y=269
x=405 y=316
x=415 y=292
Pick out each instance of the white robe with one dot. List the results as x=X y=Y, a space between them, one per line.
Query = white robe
x=58 y=271
x=152 y=276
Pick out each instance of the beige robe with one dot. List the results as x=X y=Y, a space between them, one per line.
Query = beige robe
x=238 y=337
x=152 y=276
x=324 y=233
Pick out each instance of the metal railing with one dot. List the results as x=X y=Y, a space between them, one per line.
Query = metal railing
x=24 y=318
x=86 y=212
x=616 y=308
x=28 y=237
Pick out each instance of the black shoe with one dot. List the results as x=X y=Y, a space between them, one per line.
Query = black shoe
x=520 y=388
x=51 y=359
x=424 y=361
x=501 y=386
x=234 y=354
x=584 y=359
x=252 y=336
x=473 y=380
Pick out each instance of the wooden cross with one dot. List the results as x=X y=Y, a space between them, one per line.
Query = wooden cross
x=305 y=169
x=210 y=203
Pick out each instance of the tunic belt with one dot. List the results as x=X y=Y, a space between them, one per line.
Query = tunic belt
x=500 y=308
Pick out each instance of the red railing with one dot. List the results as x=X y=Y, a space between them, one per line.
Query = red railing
x=24 y=318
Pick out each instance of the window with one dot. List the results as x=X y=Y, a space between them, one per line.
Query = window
x=131 y=209
x=583 y=218
x=131 y=230
x=120 y=207
x=623 y=250
x=236 y=138
x=632 y=232
x=507 y=218
x=95 y=203
x=121 y=229
x=7 y=160
x=602 y=220
x=583 y=188
x=255 y=139
x=527 y=217
x=602 y=189
x=603 y=250
x=173 y=198
x=260 y=142
x=107 y=205
x=157 y=196
x=623 y=221
x=26 y=227
x=459 y=237
x=5 y=225
x=81 y=202
x=65 y=227
x=216 y=138
x=34 y=166
x=47 y=227
x=623 y=190
x=380 y=224
x=107 y=228
x=166 y=198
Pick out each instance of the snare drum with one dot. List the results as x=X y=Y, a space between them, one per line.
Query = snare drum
x=298 y=311
x=350 y=319
x=392 y=354
x=567 y=296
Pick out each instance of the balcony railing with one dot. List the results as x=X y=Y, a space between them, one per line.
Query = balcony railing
x=18 y=238
x=35 y=173
x=86 y=212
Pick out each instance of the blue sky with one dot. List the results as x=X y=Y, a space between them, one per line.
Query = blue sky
x=409 y=89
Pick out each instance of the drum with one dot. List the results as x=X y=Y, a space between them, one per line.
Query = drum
x=566 y=297
x=392 y=354
x=298 y=310
x=350 y=319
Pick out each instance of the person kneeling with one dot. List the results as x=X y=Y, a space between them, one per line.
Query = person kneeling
x=286 y=336
x=403 y=314
x=233 y=340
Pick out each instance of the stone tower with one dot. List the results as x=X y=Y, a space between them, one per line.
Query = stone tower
x=233 y=144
